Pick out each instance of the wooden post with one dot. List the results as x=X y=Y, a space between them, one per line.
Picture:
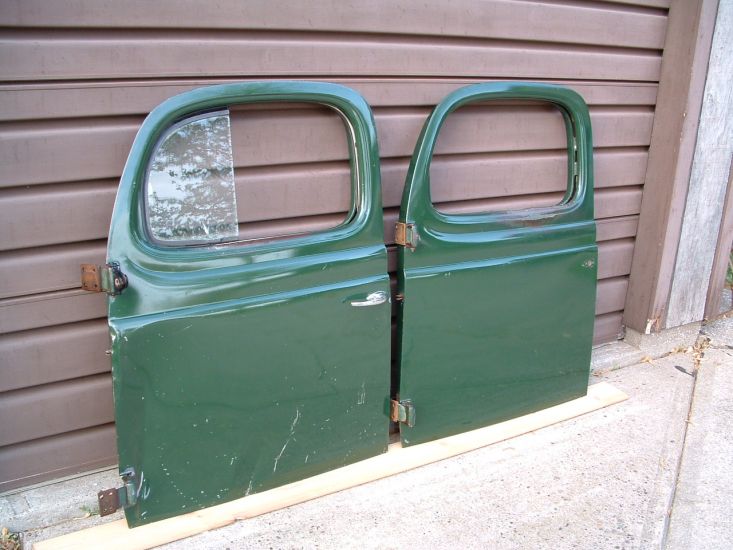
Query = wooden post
x=679 y=100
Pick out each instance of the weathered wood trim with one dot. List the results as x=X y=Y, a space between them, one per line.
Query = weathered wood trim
x=679 y=102
x=708 y=182
x=722 y=253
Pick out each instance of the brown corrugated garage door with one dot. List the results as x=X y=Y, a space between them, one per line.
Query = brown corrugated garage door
x=78 y=78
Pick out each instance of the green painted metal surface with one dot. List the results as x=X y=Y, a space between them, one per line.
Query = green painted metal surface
x=241 y=367
x=498 y=309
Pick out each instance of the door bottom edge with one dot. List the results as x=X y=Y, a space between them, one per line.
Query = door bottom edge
x=396 y=460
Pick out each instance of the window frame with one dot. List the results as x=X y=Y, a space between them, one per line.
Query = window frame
x=577 y=204
x=570 y=191
x=363 y=229
x=353 y=176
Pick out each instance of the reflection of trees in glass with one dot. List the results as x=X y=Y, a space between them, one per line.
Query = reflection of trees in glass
x=191 y=194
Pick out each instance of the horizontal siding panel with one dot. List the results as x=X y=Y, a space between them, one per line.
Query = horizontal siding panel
x=498 y=19
x=46 y=269
x=611 y=295
x=78 y=212
x=617 y=202
x=614 y=258
x=52 y=409
x=44 y=310
x=34 y=154
x=60 y=214
x=57 y=456
x=52 y=55
x=98 y=99
x=648 y=3
x=608 y=327
x=53 y=354
x=477 y=177
x=616 y=228
x=73 y=152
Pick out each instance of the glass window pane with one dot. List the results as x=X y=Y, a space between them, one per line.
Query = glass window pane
x=190 y=186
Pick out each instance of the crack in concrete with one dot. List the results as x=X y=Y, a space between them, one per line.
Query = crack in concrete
x=678 y=467
x=698 y=351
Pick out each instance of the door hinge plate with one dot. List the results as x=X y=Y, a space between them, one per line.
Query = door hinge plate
x=109 y=501
x=405 y=235
x=103 y=278
x=402 y=411
x=121 y=497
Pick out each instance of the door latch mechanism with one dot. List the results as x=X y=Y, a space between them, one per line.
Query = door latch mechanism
x=403 y=412
x=103 y=278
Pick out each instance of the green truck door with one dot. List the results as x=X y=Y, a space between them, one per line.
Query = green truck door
x=240 y=366
x=497 y=313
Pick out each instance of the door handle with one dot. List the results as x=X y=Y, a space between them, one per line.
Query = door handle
x=373 y=299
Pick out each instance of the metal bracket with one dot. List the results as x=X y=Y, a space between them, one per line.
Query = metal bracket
x=109 y=501
x=121 y=497
x=402 y=411
x=405 y=235
x=106 y=278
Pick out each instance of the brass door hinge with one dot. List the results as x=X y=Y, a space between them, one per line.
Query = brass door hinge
x=405 y=235
x=103 y=278
x=402 y=411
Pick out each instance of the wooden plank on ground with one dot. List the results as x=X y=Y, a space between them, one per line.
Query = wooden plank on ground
x=116 y=534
